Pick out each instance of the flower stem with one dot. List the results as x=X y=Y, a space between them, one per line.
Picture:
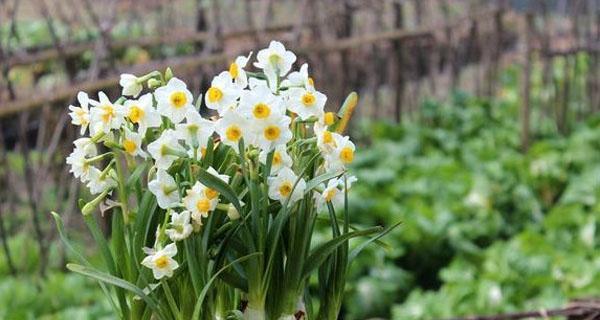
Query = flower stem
x=170 y=299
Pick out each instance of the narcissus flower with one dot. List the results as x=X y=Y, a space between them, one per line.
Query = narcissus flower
x=275 y=61
x=165 y=189
x=326 y=140
x=132 y=143
x=232 y=127
x=281 y=186
x=78 y=159
x=260 y=104
x=100 y=181
x=173 y=100
x=237 y=72
x=80 y=116
x=166 y=149
x=281 y=158
x=142 y=113
x=196 y=130
x=161 y=261
x=200 y=200
x=299 y=79
x=273 y=132
x=105 y=115
x=87 y=146
x=306 y=102
x=130 y=84
x=342 y=155
x=334 y=192
x=180 y=226
x=222 y=94
x=80 y=167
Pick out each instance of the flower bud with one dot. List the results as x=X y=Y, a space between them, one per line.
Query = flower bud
x=154 y=83
x=130 y=84
x=233 y=213
x=168 y=74
x=91 y=206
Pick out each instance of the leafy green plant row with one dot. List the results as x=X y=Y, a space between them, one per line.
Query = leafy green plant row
x=486 y=228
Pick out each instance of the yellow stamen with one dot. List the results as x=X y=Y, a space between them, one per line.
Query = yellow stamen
x=233 y=133
x=285 y=189
x=203 y=205
x=261 y=111
x=108 y=112
x=210 y=193
x=214 y=94
x=311 y=82
x=136 y=114
x=129 y=146
x=178 y=99
x=327 y=137
x=276 y=158
x=161 y=262
x=308 y=99
x=347 y=155
x=272 y=133
x=330 y=194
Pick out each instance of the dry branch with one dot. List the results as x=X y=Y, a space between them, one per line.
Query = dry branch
x=74 y=49
x=184 y=65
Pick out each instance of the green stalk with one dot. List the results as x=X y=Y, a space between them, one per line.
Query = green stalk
x=170 y=299
x=90 y=221
x=123 y=198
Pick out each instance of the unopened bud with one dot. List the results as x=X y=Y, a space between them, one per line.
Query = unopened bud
x=89 y=207
x=154 y=83
x=168 y=74
x=233 y=213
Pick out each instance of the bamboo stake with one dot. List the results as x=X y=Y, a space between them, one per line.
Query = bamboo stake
x=526 y=84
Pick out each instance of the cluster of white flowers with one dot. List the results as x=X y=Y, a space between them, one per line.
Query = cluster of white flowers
x=162 y=126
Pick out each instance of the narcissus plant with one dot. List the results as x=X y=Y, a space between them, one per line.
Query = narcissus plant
x=213 y=215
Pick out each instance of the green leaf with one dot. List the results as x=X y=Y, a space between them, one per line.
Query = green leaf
x=363 y=245
x=223 y=188
x=67 y=243
x=112 y=280
x=143 y=222
x=200 y=300
x=320 y=179
x=319 y=254
x=92 y=224
x=135 y=175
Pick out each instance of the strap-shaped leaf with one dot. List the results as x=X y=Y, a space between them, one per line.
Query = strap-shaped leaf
x=112 y=280
x=100 y=240
x=320 y=179
x=143 y=221
x=223 y=188
x=378 y=242
x=135 y=175
x=202 y=295
x=63 y=237
x=319 y=254
x=363 y=245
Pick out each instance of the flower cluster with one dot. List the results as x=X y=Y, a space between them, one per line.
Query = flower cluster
x=269 y=117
